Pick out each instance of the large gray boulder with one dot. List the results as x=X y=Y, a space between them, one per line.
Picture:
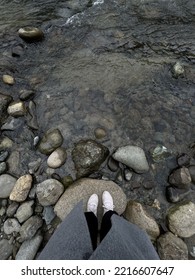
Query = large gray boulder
x=83 y=189
x=133 y=157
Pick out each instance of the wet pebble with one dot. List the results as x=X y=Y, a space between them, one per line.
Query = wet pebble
x=26 y=94
x=67 y=181
x=183 y=160
x=128 y=174
x=100 y=133
x=178 y=69
x=174 y=194
x=3 y=155
x=3 y=167
x=113 y=165
x=149 y=185
x=11 y=225
x=31 y=34
x=34 y=166
x=49 y=191
x=8 y=79
x=16 y=109
x=7 y=183
x=5 y=100
x=12 y=208
x=21 y=188
x=25 y=211
x=180 y=178
x=6 y=143
x=51 y=140
x=30 y=227
x=29 y=248
x=57 y=158
x=31 y=116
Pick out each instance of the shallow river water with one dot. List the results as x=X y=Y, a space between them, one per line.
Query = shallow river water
x=106 y=64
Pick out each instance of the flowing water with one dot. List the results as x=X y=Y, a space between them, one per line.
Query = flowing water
x=105 y=64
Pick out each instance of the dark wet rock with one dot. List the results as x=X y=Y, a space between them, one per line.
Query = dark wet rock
x=5 y=143
x=171 y=247
x=30 y=227
x=8 y=79
x=21 y=188
x=88 y=155
x=149 y=185
x=26 y=94
x=180 y=178
x=113 y=164
x=31 y=34
x=32 y=116
x=127 y=174
x=3 y=155
x=16 y=109
x=29 y=248
x=48 y=214
x=14 y=162
x=82 y=189
x=57 y=158
x=49 y=191
x=6 y=249
x=160 y=153
x=67 y=181
x=178 y=69
x=3 y=167
x=174 y=194
x=133 y=157
x=183 y=160
x=100 y=133
x=11 y=225
x=51 y=140
x=12 y=124
x=12 y=208
x=192 y=172
x=181 y=219
x=136 y=214
x=34 y=166
x=5 y=100
x=24 y=211
x=7 y=183
x=17 y=50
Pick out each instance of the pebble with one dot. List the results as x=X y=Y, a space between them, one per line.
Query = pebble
x=21 y=188
x=192 y=172
x=3 y=155
x=128 y=174
x=48 y=214
x=183 y=160
x=181 y=219
x=133 y=157
x=113 y=165
x=3 y=167
x=171 y=247
x=30 y=227
x=178 y=69
x=57 y=158
x=49 y=191
x=51 y=140
x=18 y=50
x=136 y=214
x=100 y=133
x=34 y=166
x=11 y=210
x=16 y=109
x=26 y=94
x=24 y=211
x=31 y=116
x=67 y=181
x=180 y=178
x=6 y=249
x=11 y=225
x=174 y=194
x=12 y=124
x=6 y=143
x=7 y=183
x=29 y=248
x=8 y=79
x=31 y=34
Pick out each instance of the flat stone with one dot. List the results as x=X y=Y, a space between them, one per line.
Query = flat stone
x=133 y=157
x=6 y=249
x=82 y=189
x=57 y=158
x=171 y=247
x=8 y=79
x=25 y=211
x=49 y=191
x=88 y=155
x=136 y=214
x=181 y=219
x=29 y=248
x=21 y=188
x=7 y=183
x=30 y=227
x=51 y=140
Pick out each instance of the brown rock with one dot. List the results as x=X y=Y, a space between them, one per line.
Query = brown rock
x=180 y=178
x=21 y=188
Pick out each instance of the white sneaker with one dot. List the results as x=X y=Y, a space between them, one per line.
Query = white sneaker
x=92 y=204
x=107 y=201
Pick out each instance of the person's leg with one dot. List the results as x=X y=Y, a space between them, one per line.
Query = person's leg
x=93 y=227
x=91 y=217
x=106 y=223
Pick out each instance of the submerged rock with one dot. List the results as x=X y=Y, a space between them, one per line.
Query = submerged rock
x=16 y=109
x=88 y=155
x=57 y=158
x=31 y=34
x=192 y=172
x=133 y=157
x=180 y=178
x=5 y=100
x=171 y=247
x=181 y=219
x=8 y=79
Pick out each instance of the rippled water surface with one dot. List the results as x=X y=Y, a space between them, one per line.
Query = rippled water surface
x=106 y=64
